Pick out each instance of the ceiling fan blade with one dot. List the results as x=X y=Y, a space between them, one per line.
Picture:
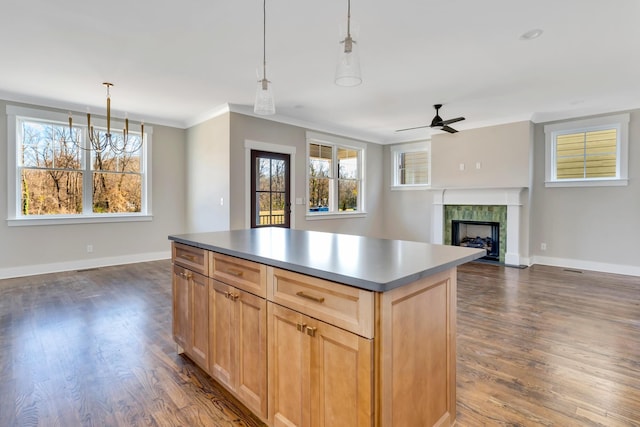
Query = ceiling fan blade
x=417 y=127
x=450 y=121
x=448 y=129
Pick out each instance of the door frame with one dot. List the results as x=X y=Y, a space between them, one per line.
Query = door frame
x=273 y=148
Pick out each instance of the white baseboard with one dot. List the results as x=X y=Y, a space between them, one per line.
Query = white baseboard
x=31 y=270
x=629 y=270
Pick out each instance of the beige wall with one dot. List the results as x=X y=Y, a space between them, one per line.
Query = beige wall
x=33 y=249
x=245 y=128
x=502 y=151
x=207 y=175
x=591 y=228
x=588 y=226
x=407 y=214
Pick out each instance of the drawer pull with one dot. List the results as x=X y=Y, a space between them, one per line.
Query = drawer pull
x=187 y=275
x=189 y=257
x=237 y=273
x=311 y=297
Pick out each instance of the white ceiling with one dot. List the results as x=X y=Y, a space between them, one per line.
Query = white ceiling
x=178 y=62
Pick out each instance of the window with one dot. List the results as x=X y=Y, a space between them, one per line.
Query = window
x=334 y=175
x=57 y=177
x=590 y=152
x=411 y=166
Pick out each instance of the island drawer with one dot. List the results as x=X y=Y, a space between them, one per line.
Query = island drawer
x=344 y=306
x=195 y=259
x=246 y=275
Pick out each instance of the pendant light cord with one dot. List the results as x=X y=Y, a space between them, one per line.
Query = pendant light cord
x=349 y=18
x=264 y=39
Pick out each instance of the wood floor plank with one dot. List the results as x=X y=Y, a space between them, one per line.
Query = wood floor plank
x=547 y=347
x=540 y=346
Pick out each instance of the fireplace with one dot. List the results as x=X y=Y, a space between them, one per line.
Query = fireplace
x=477 y=234
x=513 y=219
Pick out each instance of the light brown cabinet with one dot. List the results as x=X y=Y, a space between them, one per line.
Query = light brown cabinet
x=331 y=368
x=191 y=314
x=303 y=351
x=238 y=344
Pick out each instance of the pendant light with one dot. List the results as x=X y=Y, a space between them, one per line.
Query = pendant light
x=264 y=104
x=348 y=69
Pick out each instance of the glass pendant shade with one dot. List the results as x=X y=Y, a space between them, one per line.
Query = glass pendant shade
x=265 y=104
x=348 y=67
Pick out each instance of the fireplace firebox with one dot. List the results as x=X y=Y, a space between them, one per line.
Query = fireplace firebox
x=477 y=234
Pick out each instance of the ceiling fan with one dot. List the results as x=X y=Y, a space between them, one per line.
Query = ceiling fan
x=438 y=123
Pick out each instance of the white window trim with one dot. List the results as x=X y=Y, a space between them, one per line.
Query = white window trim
x=619 y=121
x=13 y=113
x=336 y=141
x=395 y=165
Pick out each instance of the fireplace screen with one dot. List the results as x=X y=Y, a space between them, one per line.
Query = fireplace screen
x=477 y=234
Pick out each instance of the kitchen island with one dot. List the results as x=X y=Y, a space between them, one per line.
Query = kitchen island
x=322 y=329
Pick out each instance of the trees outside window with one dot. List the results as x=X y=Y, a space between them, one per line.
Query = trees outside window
x=334 y=178
x=60 y=174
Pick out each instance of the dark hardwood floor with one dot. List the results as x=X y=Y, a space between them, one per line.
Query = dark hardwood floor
x=536 y=347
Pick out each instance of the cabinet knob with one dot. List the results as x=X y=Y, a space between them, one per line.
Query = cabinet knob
x=231 y=296
x=186 y=275
x=311 y=331
x=301 y=326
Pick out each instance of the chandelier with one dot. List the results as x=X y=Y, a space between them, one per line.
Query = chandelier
x=106 y=141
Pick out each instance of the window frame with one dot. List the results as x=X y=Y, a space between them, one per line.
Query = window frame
x=620 y=122
x=14 y=218
x=336 y=143
x=410 y=147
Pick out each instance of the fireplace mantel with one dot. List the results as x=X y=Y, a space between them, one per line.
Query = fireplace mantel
x=512 y=197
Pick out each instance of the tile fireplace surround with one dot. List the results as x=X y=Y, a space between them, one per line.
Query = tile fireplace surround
x=513 y=198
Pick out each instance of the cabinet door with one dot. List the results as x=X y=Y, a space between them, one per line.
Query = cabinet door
x=221 y=324
x=289 y=390
x=251 y=343
x=181 y=310
x=198 y=347
x=341 y=377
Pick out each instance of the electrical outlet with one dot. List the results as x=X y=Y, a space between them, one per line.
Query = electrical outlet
x=461 y=166
x=89 y=249
x=478 y=165
x=543 y=246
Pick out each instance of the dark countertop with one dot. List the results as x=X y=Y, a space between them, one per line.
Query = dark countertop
x=364 y=262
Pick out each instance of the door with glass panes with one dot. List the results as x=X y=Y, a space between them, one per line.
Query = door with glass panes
x=270 y=204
